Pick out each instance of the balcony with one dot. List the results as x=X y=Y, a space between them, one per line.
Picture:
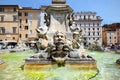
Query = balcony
x=8 y=11
x=8 y=32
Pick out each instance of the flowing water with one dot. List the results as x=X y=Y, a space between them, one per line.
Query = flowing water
x=12 y=69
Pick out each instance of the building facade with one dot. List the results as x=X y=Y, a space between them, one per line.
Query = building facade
x=20 y=23
x=29 y=20
x=104 y=36
x=90 y=24
x=111 y=37
x=118 y=33
x=111 y=34
x=9 y=23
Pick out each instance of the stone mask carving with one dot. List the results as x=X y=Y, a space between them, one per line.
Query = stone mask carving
x=59 y=38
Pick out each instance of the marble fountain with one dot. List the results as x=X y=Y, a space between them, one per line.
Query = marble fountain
x=60 y=40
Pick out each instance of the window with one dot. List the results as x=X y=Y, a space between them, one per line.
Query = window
x=1 y=9
x=88 y=33
x=2 y=30
x=80 y=24
x=110 y=37
x=30 y=23
x=14 y=18
x=89 y=24
x=93 y=38
x=84 y=28
x=98 y=29
x=98 y=33
x=110 y=41
x=20 y=20
x=30 y=16
x=13 y=38
x=31 y=32
x=85 y=39
x=93 y=33
x=26 y=27
x=26 y=20
x=98 y=24
x=38 y=17
x=84 y=17
x=2 y=18
x=80 y=17
x=20 y=27
x=88 y=28
x=76 y=16
x=14 y=29
x=93 y=29
x=76 y=24
x=84 y=24
x=88 y=17
x=5 y=39
x=20 y=35
x=93 y=24
x=19 y=13
x=14 y=9
x=97 y=38
x=26 y=35
x=26 y=14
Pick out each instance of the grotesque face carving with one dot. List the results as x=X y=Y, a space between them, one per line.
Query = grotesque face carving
x=59 y=38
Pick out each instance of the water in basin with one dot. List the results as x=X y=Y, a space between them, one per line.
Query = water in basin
x=108 y=70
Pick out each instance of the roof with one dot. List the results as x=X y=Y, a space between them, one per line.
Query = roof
x=28 y=8
x=9 y=6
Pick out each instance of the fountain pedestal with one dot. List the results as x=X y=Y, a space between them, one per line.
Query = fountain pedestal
x=57 y=16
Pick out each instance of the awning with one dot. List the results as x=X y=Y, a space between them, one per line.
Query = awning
x=7 y=42
x=30 y=41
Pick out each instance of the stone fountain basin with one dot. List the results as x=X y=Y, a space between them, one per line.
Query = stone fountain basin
x=72 y=63
x=118 y=61
x=1 y=61
x=2 y=64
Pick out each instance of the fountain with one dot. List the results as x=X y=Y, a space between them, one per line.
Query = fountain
x=59 y=42
x=1 y=61
x=118 y=61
